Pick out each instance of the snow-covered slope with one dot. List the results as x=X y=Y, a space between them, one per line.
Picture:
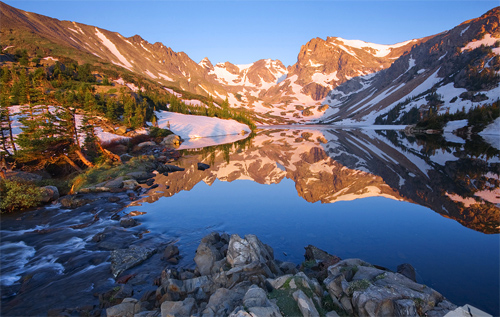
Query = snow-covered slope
x=461 y=66
x=193 y=127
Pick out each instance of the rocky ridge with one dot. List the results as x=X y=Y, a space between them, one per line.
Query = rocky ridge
x=334 y=79
x=447 y=64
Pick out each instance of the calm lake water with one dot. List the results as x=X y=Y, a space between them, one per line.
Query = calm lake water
x=381 y=196
x=376 y=195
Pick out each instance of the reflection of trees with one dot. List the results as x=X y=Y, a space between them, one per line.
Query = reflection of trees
x=227 y=149
x=466 y=177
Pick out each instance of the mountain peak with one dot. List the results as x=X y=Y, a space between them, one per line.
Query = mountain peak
x=205 y=63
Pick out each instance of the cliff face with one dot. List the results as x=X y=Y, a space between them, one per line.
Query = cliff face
x=449 y=64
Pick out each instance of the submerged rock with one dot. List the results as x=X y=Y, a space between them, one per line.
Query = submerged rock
x=123 y=259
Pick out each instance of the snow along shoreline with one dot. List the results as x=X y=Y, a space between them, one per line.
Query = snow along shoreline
x=196 y=131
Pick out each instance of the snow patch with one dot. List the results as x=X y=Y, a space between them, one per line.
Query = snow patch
x=382 y=50
x=488 y=40
x=113 y=49
x=491 y=133
x=193 y=127
x=464 y=30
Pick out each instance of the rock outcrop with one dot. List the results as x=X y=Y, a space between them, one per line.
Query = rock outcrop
x=239 y=277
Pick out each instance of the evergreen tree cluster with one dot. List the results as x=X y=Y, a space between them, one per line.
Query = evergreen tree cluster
x=53 y=95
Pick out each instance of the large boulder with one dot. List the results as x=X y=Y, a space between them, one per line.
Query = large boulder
x=127 y=308
x=49 y=193
x=363 y=290
x=250 y=252
x=207 y=254
x=178 y=308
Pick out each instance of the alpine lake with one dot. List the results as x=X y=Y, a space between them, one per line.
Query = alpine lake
x=380 y=195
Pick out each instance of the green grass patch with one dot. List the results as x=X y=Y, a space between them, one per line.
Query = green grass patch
x=357 y=285
x=284 y=299
x=108 y=172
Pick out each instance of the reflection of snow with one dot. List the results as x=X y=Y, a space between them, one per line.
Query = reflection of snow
x=191 y=127
x=491 y=133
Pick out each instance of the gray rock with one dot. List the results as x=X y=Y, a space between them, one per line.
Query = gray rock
x=255 y=297
x=363 y=289
x=405 y=307
x=127 y=308
x=23 y=176
x=367 y=273
x=278 y=282
x=272 y=311
x=407 y=270
x=130 y=184
x=152 y=313
x=49 y=193
x=288 y=268
x=239 y=312
x=178 y=308
x=115 y=183
x=255 y=300
x=332 y=314
x=305 y=304
x=144 y=144
x=173 y=141
x=251 y=252
x=124 y=259
x=170 y=251
x=140 y=175
x=128 y=222
x=206 y=256
x=318 y=255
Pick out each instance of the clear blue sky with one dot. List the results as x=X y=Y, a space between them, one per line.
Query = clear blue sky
x=243 y=32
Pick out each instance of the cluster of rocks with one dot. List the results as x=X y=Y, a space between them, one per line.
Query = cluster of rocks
x=239 y=277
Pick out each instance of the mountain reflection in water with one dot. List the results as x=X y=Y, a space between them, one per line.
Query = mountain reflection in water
x=458 y=181
x=377 y=195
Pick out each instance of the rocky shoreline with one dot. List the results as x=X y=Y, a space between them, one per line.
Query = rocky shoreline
x=237 y=276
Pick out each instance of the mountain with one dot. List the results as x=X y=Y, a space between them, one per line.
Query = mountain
x=333 y=80
x=455 y=69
